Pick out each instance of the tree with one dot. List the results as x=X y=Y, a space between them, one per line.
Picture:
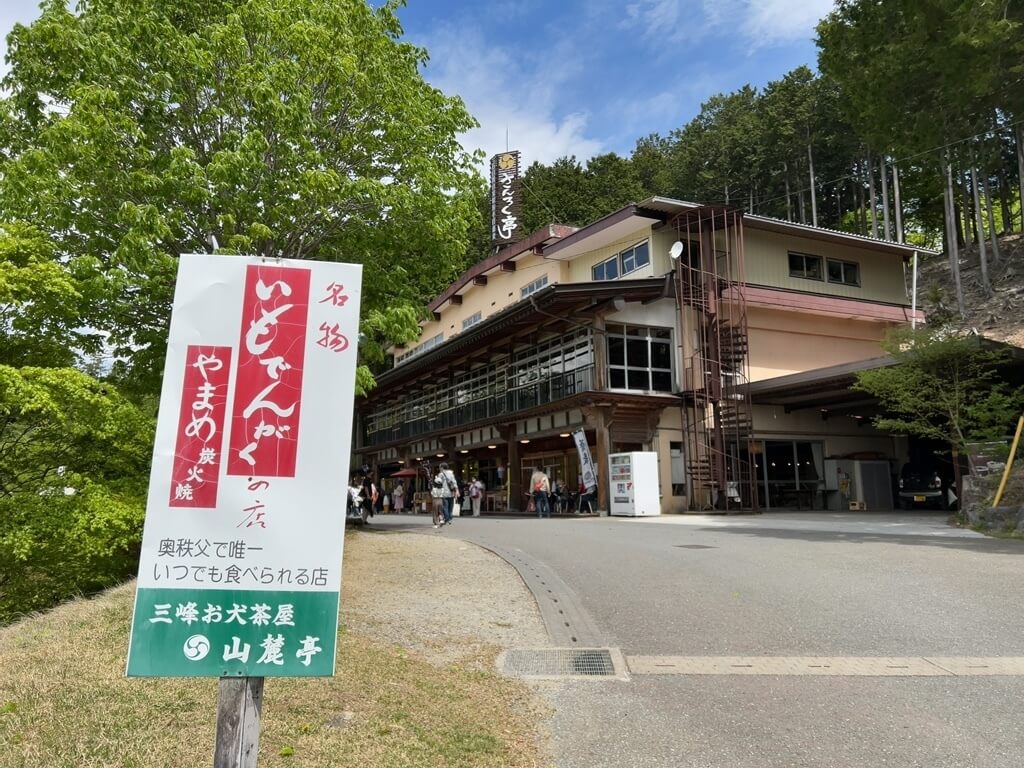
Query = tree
x=945 y=386
x=135 y=130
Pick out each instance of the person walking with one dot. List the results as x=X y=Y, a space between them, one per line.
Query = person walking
x=476 y=494
x=541 y=486
x=437 y=498
x=449 y=491
x=369 y=496
x=398 y=499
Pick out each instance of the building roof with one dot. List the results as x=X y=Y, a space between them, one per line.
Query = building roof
x=535 y=242
x=557 y=301
x=629 y=218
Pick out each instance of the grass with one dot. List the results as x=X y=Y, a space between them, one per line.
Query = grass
x=64 y=702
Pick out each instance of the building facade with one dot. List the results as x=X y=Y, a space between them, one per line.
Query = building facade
x=722 y=341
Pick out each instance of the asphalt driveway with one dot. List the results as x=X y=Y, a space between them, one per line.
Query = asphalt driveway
x=777 y=585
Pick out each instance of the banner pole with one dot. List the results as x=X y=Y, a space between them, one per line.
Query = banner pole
x=239 y=704
x=1009 y=463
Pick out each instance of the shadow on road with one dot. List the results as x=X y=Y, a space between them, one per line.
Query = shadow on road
x=981 y=545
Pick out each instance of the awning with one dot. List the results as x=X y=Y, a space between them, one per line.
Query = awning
x=405 y=473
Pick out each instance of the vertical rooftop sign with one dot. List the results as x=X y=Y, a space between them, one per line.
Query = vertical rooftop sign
x=240 y=573
x=506 y=198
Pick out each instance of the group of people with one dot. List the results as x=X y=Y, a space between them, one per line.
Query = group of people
x=446 y=493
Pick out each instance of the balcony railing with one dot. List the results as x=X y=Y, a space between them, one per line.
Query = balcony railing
x=541 y=392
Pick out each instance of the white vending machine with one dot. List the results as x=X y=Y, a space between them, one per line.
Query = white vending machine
x=634 y=487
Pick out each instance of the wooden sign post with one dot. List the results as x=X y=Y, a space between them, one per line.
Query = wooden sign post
x=239 y=705
x=240 y=573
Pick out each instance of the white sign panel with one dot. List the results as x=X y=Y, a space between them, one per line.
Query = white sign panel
x=240 y=571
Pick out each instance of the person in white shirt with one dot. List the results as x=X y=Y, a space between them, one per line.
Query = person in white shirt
x=476 y=495
x=540 y=485
x=449 y=491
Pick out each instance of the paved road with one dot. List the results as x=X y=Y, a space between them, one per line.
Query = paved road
x=849 y=585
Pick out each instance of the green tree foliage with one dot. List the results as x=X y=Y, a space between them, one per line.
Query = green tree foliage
x=73 y=452
x=944 y=386
x=566 y=192
x=73 y=469
x=135 y=130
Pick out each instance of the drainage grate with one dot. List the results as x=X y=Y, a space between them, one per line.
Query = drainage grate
x=693 y=546
x=560 y=662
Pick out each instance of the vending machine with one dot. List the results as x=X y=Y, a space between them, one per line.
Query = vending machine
x=634 y=488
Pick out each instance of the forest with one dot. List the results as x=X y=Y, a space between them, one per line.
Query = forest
x=912 y=129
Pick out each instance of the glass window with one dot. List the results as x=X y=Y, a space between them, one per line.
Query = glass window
x=606 y=270
x=635 y=258
x=637 y=353
x=845 y=272
x=639 y=358
x=616 y=350
x=805 y=266
x=533 y=287
x=472 y=320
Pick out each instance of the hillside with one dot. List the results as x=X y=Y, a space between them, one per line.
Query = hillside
x=1001 y=317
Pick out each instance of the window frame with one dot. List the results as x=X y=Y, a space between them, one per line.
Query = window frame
x=533 y=286
x=843 y=263
x=805 y=257
x=472 y=320
x=649 y=334
x=604 y=264
x=632 y=252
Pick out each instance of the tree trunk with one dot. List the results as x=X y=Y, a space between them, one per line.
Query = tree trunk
x=814 y=196
x=861 y=213
x=1004 y=203
x=986 y=284
x=789 y=202
x=952 y=243
x=997 y=256
x=871 y=194
x=970 y=235
x=897 y=204
x=726 y=193
x=884 y=175
x=800 y=205
x=1020 y=171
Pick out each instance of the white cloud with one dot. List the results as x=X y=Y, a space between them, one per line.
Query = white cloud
x=758 y=22
x=513 y=90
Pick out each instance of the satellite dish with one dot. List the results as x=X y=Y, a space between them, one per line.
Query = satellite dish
x=676 y=251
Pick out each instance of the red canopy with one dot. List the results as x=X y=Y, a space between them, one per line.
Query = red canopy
x=405 y=473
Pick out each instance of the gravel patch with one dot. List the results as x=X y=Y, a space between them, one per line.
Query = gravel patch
x=445 y=599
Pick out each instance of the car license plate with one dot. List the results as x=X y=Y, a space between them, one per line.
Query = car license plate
x=919 y=498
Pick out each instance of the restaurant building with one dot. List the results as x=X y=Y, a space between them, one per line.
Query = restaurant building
x=725 y=342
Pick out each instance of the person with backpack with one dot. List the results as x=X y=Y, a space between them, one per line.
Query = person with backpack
x=437 y=498
x=541 y=486
x=449 y=491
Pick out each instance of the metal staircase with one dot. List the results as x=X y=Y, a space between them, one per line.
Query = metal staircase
x=717 y=413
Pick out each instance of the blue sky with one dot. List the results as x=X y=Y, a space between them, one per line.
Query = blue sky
x=582 y=77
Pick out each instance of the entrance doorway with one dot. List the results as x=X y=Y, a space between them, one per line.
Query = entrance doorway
x=792 y=474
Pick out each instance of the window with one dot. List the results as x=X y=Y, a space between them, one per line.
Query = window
x=629 y=260
x=805 y=266
x=533 y=287
x=606 y=270
x=472 y=320
x=430 y=343
x=845 y=272
x=635 y=258
x=639 y=358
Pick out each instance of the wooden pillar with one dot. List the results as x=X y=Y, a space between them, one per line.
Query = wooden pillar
x=513 y=470
x=600 y=354
x=600 y=418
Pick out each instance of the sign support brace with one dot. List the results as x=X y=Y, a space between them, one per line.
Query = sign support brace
x=239 y=704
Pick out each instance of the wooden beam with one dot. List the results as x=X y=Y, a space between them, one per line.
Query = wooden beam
x=456 y=299
x=480 y=280
x=508 y=266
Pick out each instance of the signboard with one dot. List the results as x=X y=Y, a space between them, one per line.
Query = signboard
x=588 y=472
x=240 y=573
x=506 y=198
